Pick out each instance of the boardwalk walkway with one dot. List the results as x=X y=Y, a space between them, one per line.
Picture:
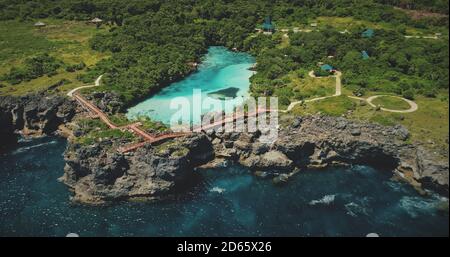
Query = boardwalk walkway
x=95 y=112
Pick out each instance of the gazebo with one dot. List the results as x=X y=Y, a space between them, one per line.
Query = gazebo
x=268 y=25
x=96 y=20
x=327 y=67
x=40 y=24
x=365 y=55
x=368 y=33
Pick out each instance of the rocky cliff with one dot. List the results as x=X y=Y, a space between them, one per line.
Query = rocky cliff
x=99 y=174
x=321 y=141
x=33 y=114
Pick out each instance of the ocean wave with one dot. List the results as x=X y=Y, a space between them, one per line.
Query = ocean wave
x=217 y=190
x=415 y=206
x=355 y=210
x=326 y=200
x=27 y=148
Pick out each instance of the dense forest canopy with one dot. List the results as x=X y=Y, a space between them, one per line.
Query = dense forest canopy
x=152 y=42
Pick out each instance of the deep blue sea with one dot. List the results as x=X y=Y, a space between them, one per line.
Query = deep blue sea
x=228 y=202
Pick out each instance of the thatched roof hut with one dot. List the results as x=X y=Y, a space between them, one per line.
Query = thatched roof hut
x=40 y=24
x=96 y=20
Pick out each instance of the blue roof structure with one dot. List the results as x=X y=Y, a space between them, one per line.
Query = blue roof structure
x=268 y=25
x=368 y=33
x=365 y=55
x=326 y=67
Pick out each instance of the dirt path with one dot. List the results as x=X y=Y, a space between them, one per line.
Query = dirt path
x=338 y=91
x=96 y=84
x=413 y=106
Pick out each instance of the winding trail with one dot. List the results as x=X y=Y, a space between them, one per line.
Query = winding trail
x=96 y=84
x=413 y=106
x=338 y=91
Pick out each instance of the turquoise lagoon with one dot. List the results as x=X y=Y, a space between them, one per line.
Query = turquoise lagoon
x=220 y=71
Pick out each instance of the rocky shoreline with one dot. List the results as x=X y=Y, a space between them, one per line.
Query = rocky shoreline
x=32 y=115
x=98 y=174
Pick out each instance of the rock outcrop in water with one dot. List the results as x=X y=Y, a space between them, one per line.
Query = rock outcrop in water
x=33 y=114
x=99 y=174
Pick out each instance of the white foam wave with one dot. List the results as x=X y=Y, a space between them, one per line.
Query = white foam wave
x=217 y=190
x=355 y=210
x=326 y=200
x=26 y=148
x=415 y=206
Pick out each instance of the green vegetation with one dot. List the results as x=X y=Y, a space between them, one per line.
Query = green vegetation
x=152 y=43
x=65 y=44
x=33 y=68
x=172 y=148
x=94 y=130
x=109 y=134
x=428 y=125
x=335 y=106
x=145 y=45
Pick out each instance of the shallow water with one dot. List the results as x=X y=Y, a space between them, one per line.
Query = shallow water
x=229 y=202
x=220 y=69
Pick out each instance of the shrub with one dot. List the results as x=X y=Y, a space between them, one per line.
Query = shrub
x=34 y=67
x=408 y=94
x=321 y=73
x=359 y=92
x=75 y=67
x=430 y=92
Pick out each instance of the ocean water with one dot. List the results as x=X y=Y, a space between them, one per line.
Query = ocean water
x=227 y=202
x=220 y=69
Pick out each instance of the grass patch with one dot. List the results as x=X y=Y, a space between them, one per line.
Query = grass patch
x=94 y=131
x=119 y=120
x=307 y=87
x=172 y=148
x=67 y=41
x=333 y=106
x=389 y=102
x=102 y=135
x=428 y=125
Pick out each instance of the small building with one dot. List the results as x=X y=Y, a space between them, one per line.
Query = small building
x=40 y=24
x=328 y=68
x=368 y=33
x=268 y=25
x=365 y=55
x=96 y=20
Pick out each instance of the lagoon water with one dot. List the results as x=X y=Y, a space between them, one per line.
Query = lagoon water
x=227 y=202
x=220 y=69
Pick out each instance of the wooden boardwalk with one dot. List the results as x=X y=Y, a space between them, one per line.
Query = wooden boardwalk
x=94 y=112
